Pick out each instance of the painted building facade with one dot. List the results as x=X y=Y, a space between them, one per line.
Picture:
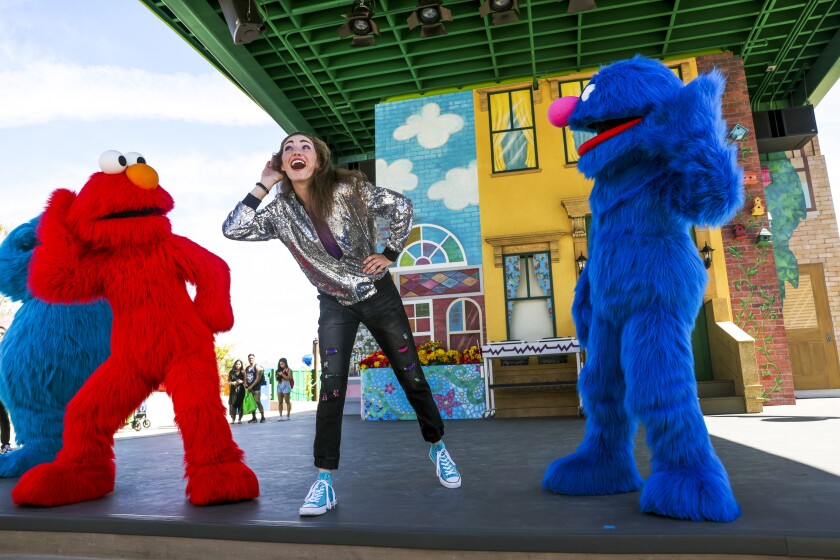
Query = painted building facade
x=500 y=229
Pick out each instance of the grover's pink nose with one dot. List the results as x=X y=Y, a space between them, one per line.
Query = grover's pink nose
x=560 y=110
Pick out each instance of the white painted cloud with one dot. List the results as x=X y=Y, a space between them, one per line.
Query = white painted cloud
x=396 y=176
x=459 y=189
x=430 y=127
x=100 y=93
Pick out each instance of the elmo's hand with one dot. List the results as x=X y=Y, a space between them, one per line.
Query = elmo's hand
x=53 y=230
x=218 y=316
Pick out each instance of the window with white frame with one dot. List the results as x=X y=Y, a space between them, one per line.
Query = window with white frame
x=420 y=319
x=463 y=324
x=529 y=296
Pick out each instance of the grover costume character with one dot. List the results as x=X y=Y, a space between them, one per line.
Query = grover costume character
x=48 y=353
x=113 y=240
x=660 y=164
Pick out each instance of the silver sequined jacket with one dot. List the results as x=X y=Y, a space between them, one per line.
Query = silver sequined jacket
x=352 y=223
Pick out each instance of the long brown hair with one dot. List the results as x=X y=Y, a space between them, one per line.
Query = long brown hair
x=324 y=178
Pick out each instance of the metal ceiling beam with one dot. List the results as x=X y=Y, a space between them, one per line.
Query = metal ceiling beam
x=801 y=69
x=823 y=74
x=408 y=61
x=326 y=70
x=214 y=35
x=804 y=15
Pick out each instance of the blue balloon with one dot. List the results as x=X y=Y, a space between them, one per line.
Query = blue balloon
x=307 y=359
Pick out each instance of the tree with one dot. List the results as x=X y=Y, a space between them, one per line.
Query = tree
x=224 y=362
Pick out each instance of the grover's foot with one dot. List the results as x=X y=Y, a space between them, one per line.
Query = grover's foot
x=58 y=484
x=690 y=494
x=222 y=483
x=18 y=461
x=591 y=474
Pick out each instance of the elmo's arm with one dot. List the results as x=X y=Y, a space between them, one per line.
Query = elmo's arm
x=58 y=272
x=211 y=277
x=691 y=140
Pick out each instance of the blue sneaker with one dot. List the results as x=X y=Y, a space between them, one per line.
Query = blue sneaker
x=446 y=471
x=321 y=497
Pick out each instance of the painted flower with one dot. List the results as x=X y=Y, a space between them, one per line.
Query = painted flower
x=389 y=388
x=446 y=402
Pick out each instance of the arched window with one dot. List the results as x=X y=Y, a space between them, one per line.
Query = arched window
x=431 y=245
x=463 y=324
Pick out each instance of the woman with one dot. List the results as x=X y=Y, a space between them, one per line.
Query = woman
x=285 y=378
x=236 y=380
x=326 y=217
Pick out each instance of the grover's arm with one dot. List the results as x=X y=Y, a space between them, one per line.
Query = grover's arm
x=211 y=277
x=58 y=272
x=709 y=186
x=582 y=308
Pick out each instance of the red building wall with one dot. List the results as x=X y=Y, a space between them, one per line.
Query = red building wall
x=753 y=283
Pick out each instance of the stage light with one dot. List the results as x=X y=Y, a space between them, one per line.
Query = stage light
x=243 y=19
x=360 y=24
x=503 y=11
x=429 y=14
x=576 y=6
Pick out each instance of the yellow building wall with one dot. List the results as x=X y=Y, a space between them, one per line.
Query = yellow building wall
x=529 y=202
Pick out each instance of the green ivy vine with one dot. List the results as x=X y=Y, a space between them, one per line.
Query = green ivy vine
x=752 y=321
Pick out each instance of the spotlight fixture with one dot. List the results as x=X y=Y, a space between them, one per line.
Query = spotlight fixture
x=359 y=24
x=429 y=14
x=576 y=6
x=243 y=19
x=504 y=11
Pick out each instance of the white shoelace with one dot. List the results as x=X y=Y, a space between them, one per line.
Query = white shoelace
x=320 y=487
x=445 y=464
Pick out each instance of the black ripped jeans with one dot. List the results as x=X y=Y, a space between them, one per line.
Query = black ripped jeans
x=384 y=315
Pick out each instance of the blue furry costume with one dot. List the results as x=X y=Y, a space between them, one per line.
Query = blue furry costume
x=660 y=164
x=48 y=353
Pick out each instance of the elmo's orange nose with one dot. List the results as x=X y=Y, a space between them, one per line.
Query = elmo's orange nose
x=142 y=175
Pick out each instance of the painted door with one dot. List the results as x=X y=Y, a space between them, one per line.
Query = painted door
x=810 y=334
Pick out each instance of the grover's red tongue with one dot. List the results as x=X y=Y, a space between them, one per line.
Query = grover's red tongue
x=606 y=135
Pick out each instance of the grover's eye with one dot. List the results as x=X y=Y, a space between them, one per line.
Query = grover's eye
x=134 y=157
x=112 y=162
x=587 y=91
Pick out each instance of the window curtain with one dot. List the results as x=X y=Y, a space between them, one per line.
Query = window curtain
x=543 y=275
x=500 y=113
x=512 y=277
x=521 y=101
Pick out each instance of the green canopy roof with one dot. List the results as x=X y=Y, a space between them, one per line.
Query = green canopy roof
x=307 y=78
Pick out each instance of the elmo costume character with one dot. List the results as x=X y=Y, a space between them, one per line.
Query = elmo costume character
x=113 y=240
x=660 y=164
x=49 y=351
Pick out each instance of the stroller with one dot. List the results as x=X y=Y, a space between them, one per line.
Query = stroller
x=140 y=420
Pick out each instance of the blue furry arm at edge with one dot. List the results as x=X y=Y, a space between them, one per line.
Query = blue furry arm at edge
x=582 y=308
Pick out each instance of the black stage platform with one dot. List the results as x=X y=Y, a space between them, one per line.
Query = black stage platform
x=390 y=504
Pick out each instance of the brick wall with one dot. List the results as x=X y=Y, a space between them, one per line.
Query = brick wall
x=760 y=317
x=816 y=240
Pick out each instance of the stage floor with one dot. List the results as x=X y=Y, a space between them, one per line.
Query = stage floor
x=389 y=497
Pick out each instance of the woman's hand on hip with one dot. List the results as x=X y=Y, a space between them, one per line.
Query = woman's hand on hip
x=376 y=263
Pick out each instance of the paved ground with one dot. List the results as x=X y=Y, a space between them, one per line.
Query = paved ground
x=784 y=465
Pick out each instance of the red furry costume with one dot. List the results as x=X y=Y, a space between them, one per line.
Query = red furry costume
x=114 y=240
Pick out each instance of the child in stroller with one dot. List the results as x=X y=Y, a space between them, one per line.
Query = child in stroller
x=139 y=420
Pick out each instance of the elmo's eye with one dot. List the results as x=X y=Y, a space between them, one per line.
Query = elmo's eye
x=112 y=162
x=587 y=91
x=134 y=157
